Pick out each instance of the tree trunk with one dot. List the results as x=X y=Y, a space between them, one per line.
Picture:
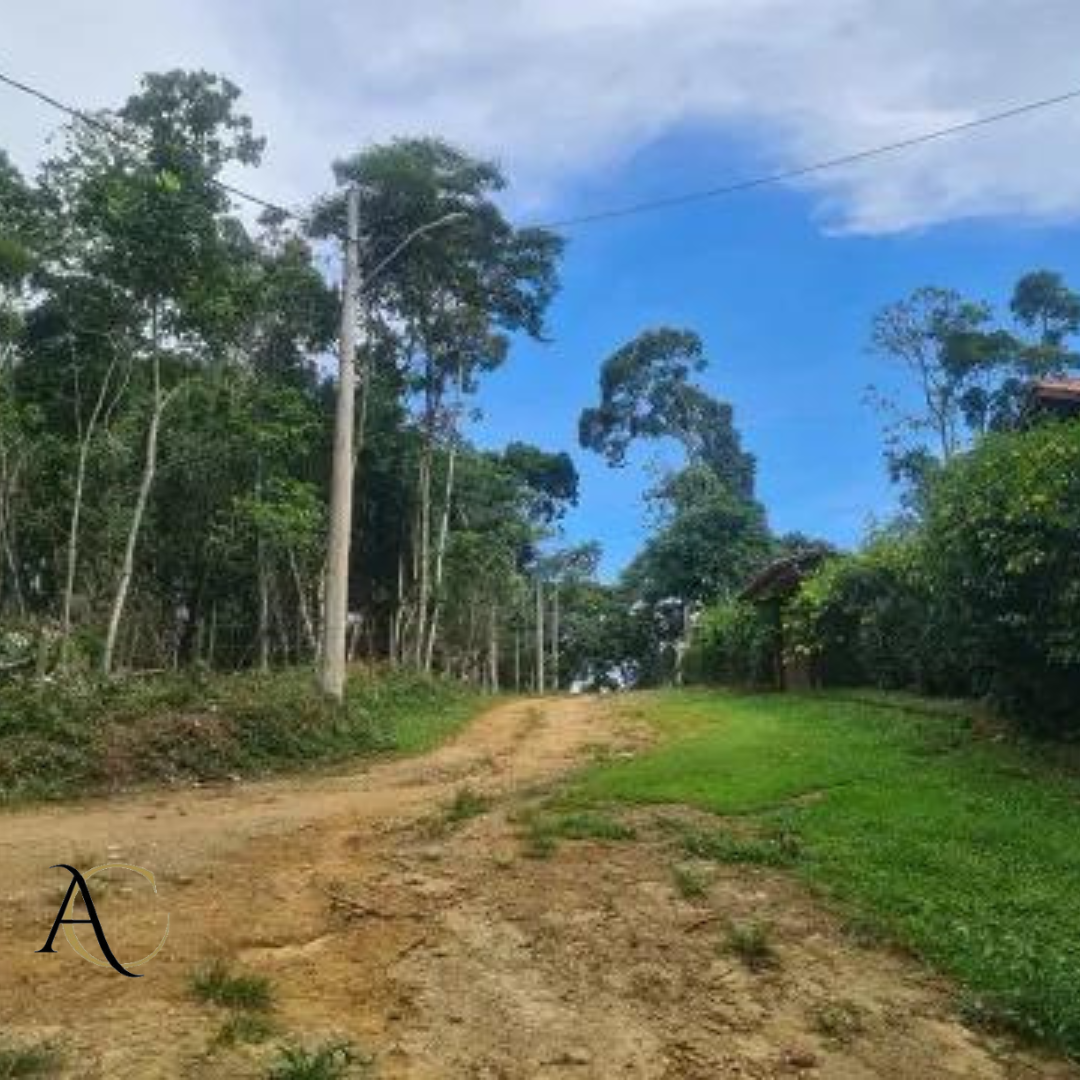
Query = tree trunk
x=305 y=608
x=555 y=634
x=146 y=482
x=72 y=556
x=440 y=556
x=493 y=650
x=263 y=575
x=539 y=636
x=423 y=555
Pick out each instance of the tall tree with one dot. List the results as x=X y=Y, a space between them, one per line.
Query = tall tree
x=149 y=219
x=646 y=393
x=452 y=296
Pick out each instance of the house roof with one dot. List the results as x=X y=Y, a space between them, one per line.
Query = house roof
x=1060 y=389
x=783 y=576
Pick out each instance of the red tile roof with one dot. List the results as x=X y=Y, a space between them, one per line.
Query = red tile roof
x=1062 y=389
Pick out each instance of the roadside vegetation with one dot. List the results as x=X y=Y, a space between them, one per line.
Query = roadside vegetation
x=74 y=737
x=926 y=827
x=22 y=1059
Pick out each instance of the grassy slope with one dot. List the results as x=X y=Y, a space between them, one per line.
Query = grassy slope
x=965 y=848
x=57 y=741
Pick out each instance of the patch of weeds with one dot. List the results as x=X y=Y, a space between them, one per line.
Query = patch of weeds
x=751 y=943
x=728 y=847
x=19 y=1059
x=330 y=1061
x=215 y=984
x=466 y=804
x=538 y=843
x=977 y=1011
x=841 y=1021
x=543 y=830
x=588 y=825
x=244 y=1027
x=865 y=933
x=599 y=753
x=691 y=884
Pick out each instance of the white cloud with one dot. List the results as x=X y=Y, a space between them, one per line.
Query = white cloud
x=564 y=90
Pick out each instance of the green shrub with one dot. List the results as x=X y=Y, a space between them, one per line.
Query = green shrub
x=64 y=737
x=873 y=619
x=734 y=643
x=982 y=599
x=1002 y=543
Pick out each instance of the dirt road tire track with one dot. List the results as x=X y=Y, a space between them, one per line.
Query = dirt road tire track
x=442 y=950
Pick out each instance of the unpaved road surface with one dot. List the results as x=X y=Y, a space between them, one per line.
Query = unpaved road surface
x=440 y=948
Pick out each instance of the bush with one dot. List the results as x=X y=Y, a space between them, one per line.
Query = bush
x=65 y=737
x=734 y=643
x=874 y=619
x=1002 y=550
x=981 y=600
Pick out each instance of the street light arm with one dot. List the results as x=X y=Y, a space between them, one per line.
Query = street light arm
x=438 y=223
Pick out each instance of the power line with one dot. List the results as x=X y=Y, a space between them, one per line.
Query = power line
x=117 y=134
x=648 y=205
x=667 y=202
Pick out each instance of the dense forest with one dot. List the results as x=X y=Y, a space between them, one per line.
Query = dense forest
x=166 y=422
x=166 y=411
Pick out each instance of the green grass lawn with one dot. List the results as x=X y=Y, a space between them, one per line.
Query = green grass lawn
x=964 y=847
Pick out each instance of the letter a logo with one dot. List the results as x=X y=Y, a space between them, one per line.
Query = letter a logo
x=67 y=908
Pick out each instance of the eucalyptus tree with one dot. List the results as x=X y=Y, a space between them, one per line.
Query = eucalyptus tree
x=451 y=298
x=970 y=373
x=147 y=217
x=646 y=392
x=19 y=228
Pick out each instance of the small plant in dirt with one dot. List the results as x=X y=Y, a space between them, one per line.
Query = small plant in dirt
x=244 y=1027
x=841 y=1021
x=23 y=1059
x=690 y=882
x=214 y=983
x=865 y=933
x=538 y=844
x=752 y=944
x=977 y=1011
x=544 y=829
x=723 y=846
x=330 y=1061
x=466 y=804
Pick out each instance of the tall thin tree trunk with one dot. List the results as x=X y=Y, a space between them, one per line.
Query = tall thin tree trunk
x=440 y=555
x=72 y=556
x=394 y=646
x=493 y=650
x=423 y=598
x=555 y=634
x=539 y=636
x=305 y=608
x=263 y=575
x=146 y=482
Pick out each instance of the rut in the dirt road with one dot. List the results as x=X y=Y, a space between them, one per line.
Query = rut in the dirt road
x=442 y=950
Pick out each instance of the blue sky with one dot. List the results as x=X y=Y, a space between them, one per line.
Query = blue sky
x=607 y=102
x=784 y=305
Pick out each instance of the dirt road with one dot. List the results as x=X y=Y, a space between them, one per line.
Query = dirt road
x=440 y=948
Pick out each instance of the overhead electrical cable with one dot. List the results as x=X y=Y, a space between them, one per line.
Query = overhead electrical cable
x=649 y=205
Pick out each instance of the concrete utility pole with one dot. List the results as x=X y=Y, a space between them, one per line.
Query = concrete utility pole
x=332 y=659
